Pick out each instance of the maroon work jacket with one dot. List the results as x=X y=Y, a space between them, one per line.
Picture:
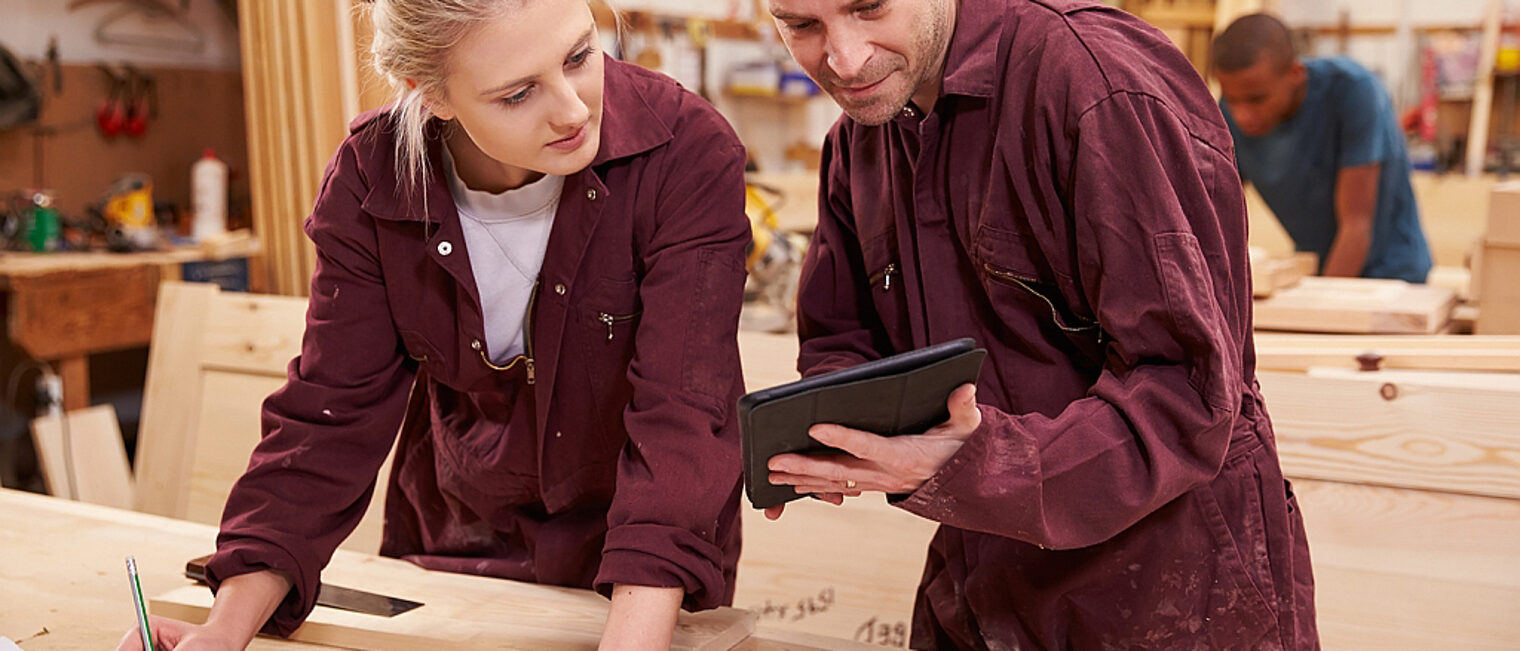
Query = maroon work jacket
x=1071 y=202
x=608 y=454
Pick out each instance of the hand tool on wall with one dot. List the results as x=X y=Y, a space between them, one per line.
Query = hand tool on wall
x=111 y=117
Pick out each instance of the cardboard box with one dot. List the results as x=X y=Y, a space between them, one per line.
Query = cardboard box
x=1504 y=214
x=1499 y=300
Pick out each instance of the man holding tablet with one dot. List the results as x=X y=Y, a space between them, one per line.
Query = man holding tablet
x=1052 y=179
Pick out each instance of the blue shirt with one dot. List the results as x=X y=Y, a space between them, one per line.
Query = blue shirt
x=1346 y=120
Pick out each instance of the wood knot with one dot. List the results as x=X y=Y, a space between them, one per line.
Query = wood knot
x=1370 y=361
x=1389 y=391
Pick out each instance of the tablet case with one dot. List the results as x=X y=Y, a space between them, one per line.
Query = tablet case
x=901 y=394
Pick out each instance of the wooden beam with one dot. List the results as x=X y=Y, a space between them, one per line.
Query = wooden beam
x=1397 y=568
x=466 y=613
x=1356 y=305
x=171 y=394
x=89 y=463
x=1461 y=435
x=1297 y=352
x=1483 y=92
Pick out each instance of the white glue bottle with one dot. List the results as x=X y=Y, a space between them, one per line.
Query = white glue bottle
x=208 y=196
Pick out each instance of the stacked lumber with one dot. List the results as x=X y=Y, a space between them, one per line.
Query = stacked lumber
x=1408 y=477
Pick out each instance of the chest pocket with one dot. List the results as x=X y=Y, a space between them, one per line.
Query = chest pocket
x=1027 y=297
x=883 y=271
x=608 y=318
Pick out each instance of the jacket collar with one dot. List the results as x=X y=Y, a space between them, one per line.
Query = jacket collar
x=630 y=127
x=971 y=62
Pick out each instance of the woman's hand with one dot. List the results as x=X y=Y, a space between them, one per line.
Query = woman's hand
x=179 y=636
x=242 y=605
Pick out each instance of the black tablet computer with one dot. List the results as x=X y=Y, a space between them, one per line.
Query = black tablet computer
x=901 y=394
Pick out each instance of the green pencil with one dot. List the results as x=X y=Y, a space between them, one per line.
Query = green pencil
x=140 y=606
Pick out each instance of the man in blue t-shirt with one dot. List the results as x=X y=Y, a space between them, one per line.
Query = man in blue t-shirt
x=1319 y=140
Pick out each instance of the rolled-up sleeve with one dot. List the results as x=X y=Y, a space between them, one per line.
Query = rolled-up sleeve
x=1147 y=197
x=328 y=430
x=676 y=502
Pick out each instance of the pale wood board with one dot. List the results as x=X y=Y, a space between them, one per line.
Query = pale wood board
x=466 y=612
x=170 y=393
x=1298 y=352
x=62 y=570
x=201 y=408
x=1456 y=279
x=1427 y=437
x=1483 y=90
x=96 y=451
x=1356 y=305
x=1406 y=569
x=1269 y=274
x=769 y=637
x=830 y=570
x=63 y=573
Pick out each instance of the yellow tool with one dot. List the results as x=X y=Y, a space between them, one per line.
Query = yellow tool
x=774 y=261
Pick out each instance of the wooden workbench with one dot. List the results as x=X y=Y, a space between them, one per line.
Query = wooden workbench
x=63 y=584
x=62 y=307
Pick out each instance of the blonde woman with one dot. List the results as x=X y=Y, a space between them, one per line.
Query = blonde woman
x=532 y=264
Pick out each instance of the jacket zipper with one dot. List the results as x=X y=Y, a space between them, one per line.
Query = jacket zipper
x=610 y=320
x=1055 y=314
x=527 y=357
x=885 y=277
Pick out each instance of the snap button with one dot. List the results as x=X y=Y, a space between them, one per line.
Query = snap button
x=445 y=248
x=557 y=434
x=475 y=345
x=591 y=194
x=559 y=288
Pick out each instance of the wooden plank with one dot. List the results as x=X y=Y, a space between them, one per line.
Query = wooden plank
x=1299 y=352
x=1489 y=344
x=466 y=612
x=1356 y=305
x=769 y=637
x=1384 y=430
x=795 y=574
x=1456 y=279
x=227 y=429
x=1406 y=569
x=66 y=559
x=1483 y=91
x=203 y=406
x=90 y=463
x=171 y=395
x=253 y=334
x=1270 y=274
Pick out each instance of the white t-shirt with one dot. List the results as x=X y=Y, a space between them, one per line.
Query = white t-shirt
x=506 y=235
